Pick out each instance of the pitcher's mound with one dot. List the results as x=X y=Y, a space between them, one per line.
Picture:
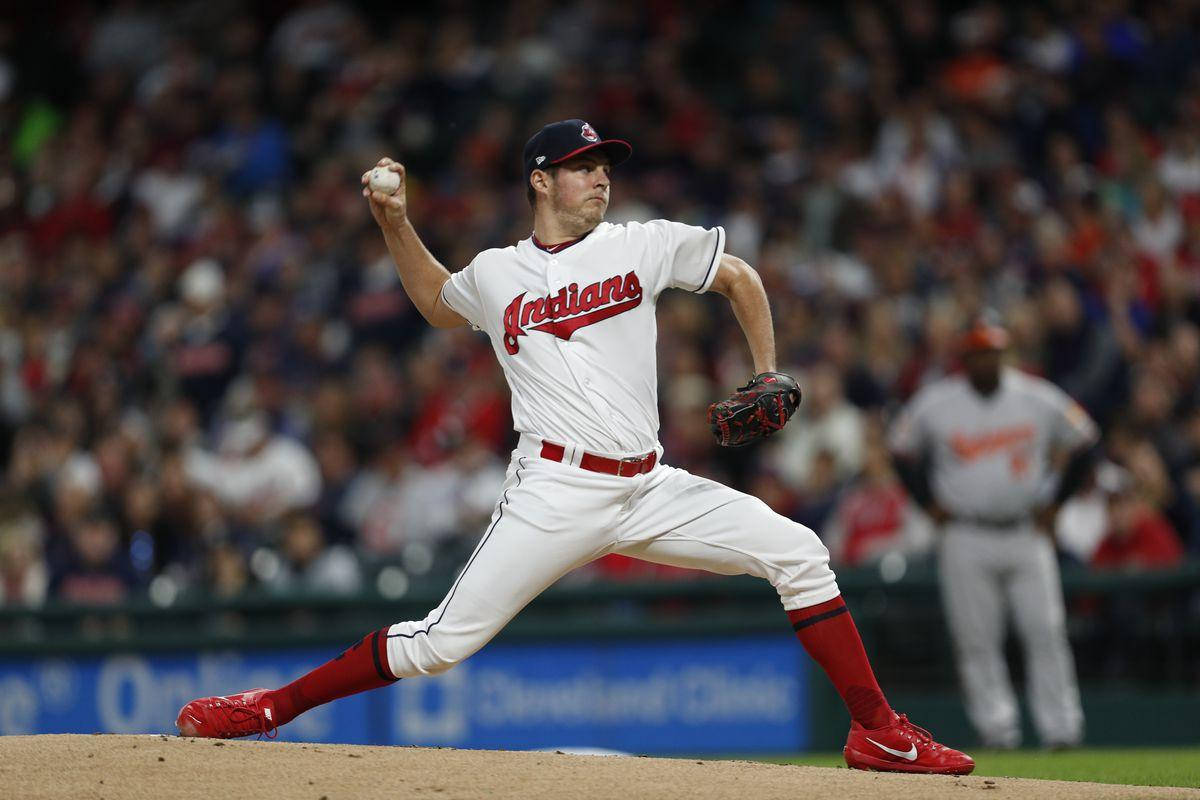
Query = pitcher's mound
x=117 y=767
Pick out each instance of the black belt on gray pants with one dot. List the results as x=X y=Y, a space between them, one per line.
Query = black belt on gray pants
x=999 y=524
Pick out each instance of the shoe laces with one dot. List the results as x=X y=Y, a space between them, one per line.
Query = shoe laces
x=239 y=715
x=916 y=733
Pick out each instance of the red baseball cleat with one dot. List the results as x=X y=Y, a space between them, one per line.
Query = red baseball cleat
x=229 y=717
x=902 y=747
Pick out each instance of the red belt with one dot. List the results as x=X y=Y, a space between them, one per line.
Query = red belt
x=622 y=467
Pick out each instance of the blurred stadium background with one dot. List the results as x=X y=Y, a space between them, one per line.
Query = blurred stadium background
x=225 y=449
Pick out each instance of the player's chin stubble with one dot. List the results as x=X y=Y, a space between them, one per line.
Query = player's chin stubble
x=579 y=219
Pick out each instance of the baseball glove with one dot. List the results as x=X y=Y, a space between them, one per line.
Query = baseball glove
x=756 y=410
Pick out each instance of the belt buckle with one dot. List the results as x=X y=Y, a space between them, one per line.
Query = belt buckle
x=629 y=460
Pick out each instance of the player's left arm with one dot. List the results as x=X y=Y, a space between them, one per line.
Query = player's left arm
x=765 y=404
x=739 y=282
x=1076 y=465
x=1075 y=443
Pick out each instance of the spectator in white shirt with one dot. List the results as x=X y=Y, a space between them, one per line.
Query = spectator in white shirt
x=257 y=476
x=309 y=565
x=826 y=422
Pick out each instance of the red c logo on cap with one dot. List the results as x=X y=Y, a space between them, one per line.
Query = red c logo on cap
x=589 y=133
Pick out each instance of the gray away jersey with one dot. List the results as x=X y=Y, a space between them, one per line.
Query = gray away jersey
x=991 y=455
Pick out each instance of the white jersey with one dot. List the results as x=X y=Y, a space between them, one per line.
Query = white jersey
x=991 y=455
x=574 y=329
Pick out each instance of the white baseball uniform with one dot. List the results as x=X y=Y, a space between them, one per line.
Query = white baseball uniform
x=991 y=470
x=573 y=327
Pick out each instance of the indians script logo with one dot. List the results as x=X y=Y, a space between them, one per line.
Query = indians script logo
x=571 y=309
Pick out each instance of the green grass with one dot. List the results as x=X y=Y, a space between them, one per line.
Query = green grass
x=1138 y=767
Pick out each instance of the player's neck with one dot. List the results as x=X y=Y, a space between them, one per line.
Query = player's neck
x=985 y=387
x=550 y=230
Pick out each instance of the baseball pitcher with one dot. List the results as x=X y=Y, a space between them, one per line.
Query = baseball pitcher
x=979 y=450
x=570 y=313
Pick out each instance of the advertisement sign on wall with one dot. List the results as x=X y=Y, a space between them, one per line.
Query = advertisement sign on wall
x=743 y=694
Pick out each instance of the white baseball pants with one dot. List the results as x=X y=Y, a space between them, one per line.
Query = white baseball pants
x=984 y=574
x=553 y=517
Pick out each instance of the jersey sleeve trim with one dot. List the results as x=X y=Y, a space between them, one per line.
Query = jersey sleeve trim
x=449 y=305
x=442 y=295
x=718 y=251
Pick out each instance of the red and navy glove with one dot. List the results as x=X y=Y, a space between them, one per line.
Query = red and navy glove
x=756 y=410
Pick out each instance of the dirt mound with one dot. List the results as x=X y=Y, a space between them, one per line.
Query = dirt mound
x=119 y=767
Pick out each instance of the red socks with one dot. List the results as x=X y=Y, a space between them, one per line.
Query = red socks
x=826 y=631
x=828 y=634
x=363 y=666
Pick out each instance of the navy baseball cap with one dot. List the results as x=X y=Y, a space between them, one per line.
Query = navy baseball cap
x=559 y=141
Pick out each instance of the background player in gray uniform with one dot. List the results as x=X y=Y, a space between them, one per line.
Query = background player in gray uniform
x=979 y=451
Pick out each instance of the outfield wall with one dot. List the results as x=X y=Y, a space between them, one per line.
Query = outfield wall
x=707 y=666
x=735 y=694
x=744 y=694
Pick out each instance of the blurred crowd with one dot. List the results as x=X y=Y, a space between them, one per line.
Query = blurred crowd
x=211 y=379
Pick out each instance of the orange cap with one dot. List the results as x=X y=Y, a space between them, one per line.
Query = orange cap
x=984 y=336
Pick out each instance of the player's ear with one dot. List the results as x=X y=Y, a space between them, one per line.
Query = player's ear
x=540 y=179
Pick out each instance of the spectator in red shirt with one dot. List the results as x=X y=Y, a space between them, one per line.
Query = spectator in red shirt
x=875 y=517
x=1139 y=536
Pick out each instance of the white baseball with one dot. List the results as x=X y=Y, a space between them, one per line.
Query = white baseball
x=384 y=180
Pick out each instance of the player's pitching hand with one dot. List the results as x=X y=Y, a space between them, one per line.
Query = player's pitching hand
x=389 y=210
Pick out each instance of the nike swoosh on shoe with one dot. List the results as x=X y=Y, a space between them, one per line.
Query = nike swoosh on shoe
x=907 y=755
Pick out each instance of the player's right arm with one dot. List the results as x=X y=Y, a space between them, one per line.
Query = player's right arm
x=422 y=275
x=909 y=445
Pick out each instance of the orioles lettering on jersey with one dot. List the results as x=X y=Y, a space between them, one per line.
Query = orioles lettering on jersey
x=969 y=447
x=570 y=309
